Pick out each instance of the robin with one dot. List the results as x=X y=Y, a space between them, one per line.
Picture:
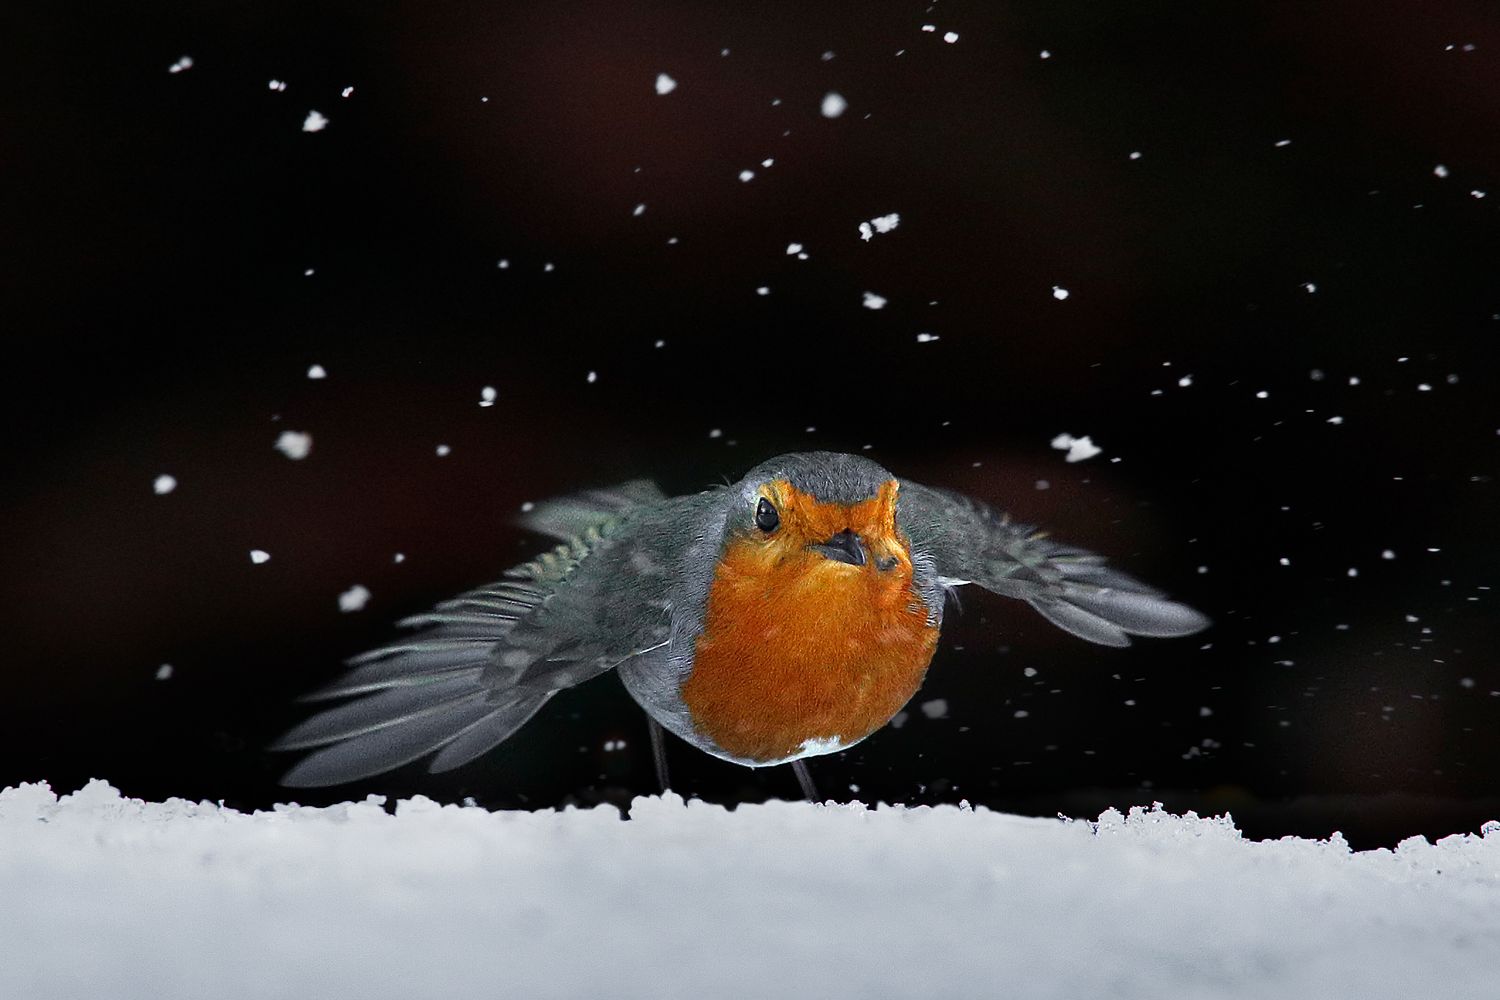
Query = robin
x=788 y=615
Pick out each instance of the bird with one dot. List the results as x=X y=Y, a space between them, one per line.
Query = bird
x=785 y=616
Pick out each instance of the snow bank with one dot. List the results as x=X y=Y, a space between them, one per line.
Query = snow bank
x=108 y=896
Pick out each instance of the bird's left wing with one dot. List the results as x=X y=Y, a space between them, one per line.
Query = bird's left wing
x=968 y=542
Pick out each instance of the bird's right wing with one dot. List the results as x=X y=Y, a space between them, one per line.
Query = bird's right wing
x=573 y=516
x=484 y=662
x=1074 y=589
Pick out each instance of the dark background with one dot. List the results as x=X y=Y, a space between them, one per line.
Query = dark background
x=158 y=226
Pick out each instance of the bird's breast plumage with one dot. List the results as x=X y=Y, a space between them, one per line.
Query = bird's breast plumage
x=800 y=654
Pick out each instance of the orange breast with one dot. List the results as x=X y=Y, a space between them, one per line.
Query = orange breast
x=798 y=647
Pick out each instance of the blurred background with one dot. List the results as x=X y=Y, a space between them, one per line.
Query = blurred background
x=1252 y=254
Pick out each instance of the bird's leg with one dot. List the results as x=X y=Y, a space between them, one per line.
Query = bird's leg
x=659 y=752
x=804 y=778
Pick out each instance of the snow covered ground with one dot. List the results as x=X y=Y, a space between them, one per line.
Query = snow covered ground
x=105 y=896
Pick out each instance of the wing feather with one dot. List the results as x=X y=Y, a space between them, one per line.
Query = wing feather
x=484 y=662
x=1071 y=587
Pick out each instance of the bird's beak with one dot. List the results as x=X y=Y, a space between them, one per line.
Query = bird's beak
x=845 y=547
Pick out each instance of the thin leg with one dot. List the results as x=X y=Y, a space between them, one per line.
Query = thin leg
x=804 y=778
x=659 y=752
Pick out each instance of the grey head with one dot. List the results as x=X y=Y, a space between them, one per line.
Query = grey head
x=829 y=476
x=828 y=479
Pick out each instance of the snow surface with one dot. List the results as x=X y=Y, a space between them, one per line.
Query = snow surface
x=110 y=896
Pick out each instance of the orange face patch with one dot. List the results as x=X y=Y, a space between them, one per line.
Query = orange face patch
x=797 y=646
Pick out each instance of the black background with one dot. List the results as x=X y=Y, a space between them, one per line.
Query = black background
x=158 y=227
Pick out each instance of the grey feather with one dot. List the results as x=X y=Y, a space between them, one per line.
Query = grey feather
x=402 y=670
x=572 y=516
x=1071 y=587
x=1136 y=613
x=488 y=733
x=1081 y=623
x=427 y=646
x=383 y=749
x=381 y=710
x=487 y=659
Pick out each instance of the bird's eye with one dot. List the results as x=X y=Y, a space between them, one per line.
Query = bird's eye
x=766 y=518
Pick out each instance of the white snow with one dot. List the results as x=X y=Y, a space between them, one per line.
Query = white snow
x=879 y=224
x=443 y=451
x=487 y=396
x=314 y=122
x=936 y=708
x=294 y=444
x=163 y=484
x=355 y=598
x=164 y=672
x=873 y=301
x=950 y=37
x=1059 y=292
x=793 y=248
x=833 y=104
x=110 y=896
x=927 y=338
x=185 y=62
x=346 y=92
x=1078 y=448
x=639 y=210
x=277 y=85
x=1440 y=171
x=317 y=371
x=258 y=556
x=665 y=84
x=746 y=176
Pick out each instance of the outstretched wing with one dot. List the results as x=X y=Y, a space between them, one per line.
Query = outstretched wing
x=487 y=660
x=569 y=517
x=1074 y=589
